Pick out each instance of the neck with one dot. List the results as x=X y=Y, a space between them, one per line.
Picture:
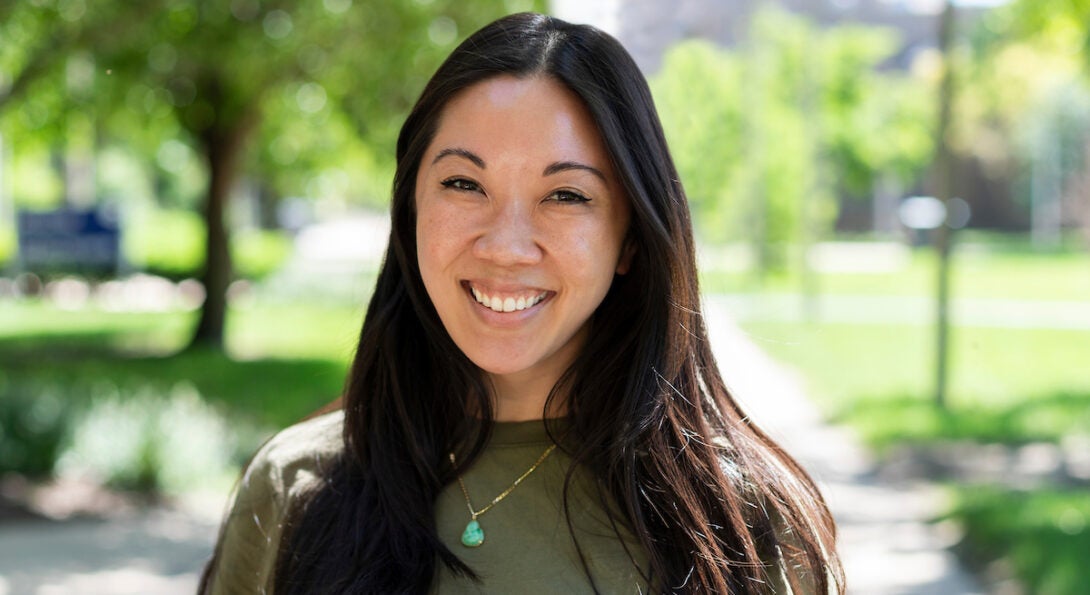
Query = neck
x=521 y=398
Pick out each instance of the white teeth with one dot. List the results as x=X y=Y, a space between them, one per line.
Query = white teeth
x=510 y=304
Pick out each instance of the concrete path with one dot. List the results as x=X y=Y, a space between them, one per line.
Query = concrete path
x=157 y=552
x=887 y=545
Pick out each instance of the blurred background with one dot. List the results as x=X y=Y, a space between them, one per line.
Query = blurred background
x=892 y=200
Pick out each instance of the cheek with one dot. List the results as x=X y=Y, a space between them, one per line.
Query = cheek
x=442 y=236
x=429 y=250
x=591 y=256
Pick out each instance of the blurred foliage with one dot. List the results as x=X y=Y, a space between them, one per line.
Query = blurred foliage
x=888 y=420
x=173 y=442
x=78 y=388
x=1061 y=24
x=1023 y=106
x=327 y=82
x=323 y=84
x=8 y=245
x=34 y=422
x=170 y=243
x=260 y=252
x=1040 y=536
x=767 y=136
x=165 y=242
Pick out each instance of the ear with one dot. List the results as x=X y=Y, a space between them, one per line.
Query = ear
x=628 y=251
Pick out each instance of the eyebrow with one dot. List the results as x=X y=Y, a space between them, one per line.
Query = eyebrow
x=560 y=166
x=552 y=169
x=459 y=152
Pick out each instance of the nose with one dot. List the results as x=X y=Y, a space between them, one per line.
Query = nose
x=508 y=237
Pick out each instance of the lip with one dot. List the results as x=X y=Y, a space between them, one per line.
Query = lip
x=505 y=291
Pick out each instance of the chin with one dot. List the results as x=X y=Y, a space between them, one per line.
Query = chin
x=499 y=368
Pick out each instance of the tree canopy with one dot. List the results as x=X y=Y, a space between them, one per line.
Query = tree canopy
x=246 y=84
x=768 y=134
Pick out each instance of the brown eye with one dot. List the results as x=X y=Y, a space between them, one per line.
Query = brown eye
x=461 y=184
x=567 y=196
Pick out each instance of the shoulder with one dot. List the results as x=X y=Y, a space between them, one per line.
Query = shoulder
x=298 y=454
x=288 y=466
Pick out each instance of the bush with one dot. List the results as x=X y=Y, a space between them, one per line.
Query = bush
x=169 y=442
x=154 y=439
x=88 y=388
x=34 y=420
x=1043 y=534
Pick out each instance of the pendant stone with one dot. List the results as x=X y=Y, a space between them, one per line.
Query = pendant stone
x=473 y=536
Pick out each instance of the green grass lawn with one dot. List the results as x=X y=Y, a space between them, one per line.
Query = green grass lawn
x=976 y=272
x=282 y=360
x=1007 y=385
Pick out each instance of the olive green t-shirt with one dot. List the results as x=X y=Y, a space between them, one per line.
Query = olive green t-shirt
x=528 y=547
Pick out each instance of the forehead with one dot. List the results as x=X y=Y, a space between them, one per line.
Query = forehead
x=537 y=116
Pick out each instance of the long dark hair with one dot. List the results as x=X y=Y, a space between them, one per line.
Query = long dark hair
x=704 y=490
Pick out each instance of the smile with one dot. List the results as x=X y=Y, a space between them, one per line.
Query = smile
x=507 y=303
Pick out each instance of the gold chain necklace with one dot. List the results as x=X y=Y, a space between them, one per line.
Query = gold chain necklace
x=473 y=536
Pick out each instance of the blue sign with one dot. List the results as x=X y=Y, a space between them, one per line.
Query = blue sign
x=69 y=240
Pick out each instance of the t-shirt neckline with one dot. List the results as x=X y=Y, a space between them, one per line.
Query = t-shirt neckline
x=519 y=433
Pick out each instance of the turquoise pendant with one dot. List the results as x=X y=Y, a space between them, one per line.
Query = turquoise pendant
x=473 y=536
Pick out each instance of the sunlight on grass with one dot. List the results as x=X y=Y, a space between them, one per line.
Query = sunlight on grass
x=294 y=330
x=1004 y=383
x=27 y=326
x=976 y=273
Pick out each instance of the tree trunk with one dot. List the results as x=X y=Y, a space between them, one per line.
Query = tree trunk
x=944 y=181
x=222 y=148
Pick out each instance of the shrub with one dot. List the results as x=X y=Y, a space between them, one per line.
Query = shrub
x=34 y=419
x=169 y=442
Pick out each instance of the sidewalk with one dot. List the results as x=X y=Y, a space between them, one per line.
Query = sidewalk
x=157 y=552
x=887 y=545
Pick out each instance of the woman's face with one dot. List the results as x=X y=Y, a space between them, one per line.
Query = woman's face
x=521 y=226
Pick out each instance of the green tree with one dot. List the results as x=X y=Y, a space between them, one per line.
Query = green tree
x=219 y=68
x=769 y=134
x=1060 y=23
x=698 y=92
x=1025 y=111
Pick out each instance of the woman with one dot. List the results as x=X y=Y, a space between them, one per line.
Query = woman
x=533 y=406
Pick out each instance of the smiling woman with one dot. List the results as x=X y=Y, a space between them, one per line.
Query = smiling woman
x=520 y=229
x=533 y=406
